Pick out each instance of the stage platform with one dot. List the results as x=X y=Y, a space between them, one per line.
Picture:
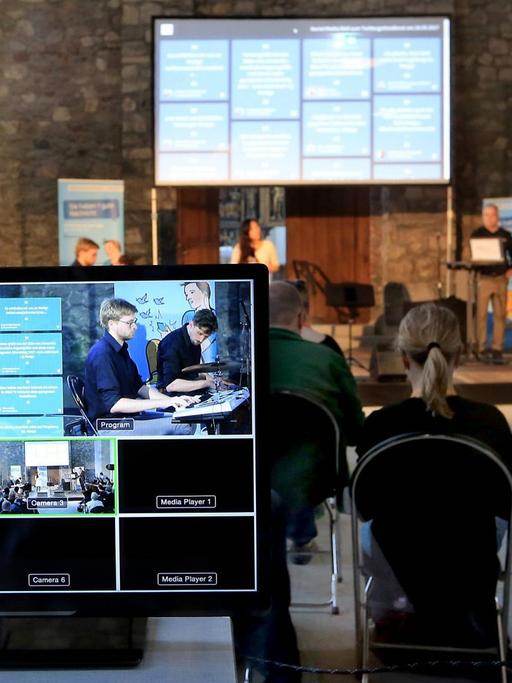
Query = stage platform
x=474 y=380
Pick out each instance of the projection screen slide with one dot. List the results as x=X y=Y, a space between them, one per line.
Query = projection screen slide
x=302 y=101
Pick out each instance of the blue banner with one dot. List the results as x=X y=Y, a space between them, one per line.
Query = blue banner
x=93 y=209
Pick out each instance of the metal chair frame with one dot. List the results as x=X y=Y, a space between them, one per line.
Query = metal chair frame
x=76 y=387
x=362 y=588
x=330 y=504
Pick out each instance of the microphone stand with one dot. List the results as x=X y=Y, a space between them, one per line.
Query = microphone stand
x=439 y=285
x=245 y=343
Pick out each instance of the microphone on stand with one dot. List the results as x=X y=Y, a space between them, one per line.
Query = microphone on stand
x=439 y=281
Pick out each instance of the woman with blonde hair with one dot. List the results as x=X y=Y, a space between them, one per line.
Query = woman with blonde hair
x=430 y=344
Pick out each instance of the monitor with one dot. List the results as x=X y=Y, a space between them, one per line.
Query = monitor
x=302 y=101
x=120 y=495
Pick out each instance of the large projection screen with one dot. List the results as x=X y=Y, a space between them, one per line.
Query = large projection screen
x=302 y=101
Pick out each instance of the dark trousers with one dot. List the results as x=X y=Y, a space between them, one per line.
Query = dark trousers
x=271 y=635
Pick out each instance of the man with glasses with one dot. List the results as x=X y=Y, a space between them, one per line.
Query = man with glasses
x=113 y=386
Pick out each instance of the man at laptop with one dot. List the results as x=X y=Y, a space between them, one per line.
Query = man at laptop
x=492 y=285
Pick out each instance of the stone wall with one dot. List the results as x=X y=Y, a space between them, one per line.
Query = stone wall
x=76 y=101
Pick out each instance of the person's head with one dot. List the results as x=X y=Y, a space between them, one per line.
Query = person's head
x=6 y=506
x=124 y=260
x=302 y=288
x=285 y=306
x=86 y=251
x=202 y=325
x=491 y=217
x=112 y=250
x=95 y=496
x=118 y=317
x=430 y=343
x=197 y=294
x=250 y=235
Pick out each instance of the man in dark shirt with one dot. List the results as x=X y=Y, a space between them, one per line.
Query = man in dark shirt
x=492 y=285
x=113 y=386
x=181 y=349
x=86 y=252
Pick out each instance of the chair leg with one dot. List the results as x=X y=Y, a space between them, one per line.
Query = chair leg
x=247 y=674
x=366 y=631
x=502 y=646
x=335 y=552
x=335 y=560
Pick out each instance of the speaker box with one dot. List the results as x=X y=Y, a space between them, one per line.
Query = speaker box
x=386 y=365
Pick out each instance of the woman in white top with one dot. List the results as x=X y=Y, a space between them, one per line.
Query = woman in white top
x=252 y=248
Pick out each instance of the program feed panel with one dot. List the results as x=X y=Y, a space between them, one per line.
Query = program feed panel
x=284 y=101
x=82 y=510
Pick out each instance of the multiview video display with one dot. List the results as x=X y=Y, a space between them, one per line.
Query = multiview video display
x=128 y=410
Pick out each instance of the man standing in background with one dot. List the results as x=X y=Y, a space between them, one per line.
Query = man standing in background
x=492 y=285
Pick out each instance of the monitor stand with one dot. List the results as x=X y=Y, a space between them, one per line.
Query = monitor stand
x=71 y=642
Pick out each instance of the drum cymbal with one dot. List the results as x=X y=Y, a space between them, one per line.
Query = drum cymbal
x=216 y=366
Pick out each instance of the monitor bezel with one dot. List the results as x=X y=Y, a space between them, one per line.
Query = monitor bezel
x=165 y=603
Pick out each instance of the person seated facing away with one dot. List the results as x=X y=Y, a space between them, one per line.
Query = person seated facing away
x=307 y=332
x=182 y=348
x=312 y=369
x=86 y=252
x=107 y=498
x=456 y=579
x=113 y=386
x=95 y=503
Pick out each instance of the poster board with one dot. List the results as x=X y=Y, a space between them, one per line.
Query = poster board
x=92 y=209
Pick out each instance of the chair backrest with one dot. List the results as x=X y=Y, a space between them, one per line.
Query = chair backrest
x=304 y=443
x=152 y=357
x=313 y=276
x=76 y=387
x=432 y=501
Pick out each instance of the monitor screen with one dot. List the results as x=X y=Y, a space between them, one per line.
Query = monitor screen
x=131 y=471
x=288 y=101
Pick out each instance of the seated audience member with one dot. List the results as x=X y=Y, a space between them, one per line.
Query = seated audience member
x=456 y=583
x=107 y=497
x=95 y=503
x=86 y=252
x=6 y=507
x=182 y=348
x=307 y=332
x=312 y=369
x=113 y=386
x=19 y=504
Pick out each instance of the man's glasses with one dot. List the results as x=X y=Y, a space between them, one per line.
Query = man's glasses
x=131 y=323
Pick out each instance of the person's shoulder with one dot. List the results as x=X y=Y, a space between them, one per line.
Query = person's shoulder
x=476 y=409
x=99 y=348
x=481 y=231
x=388 y=412
x=170 y=338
